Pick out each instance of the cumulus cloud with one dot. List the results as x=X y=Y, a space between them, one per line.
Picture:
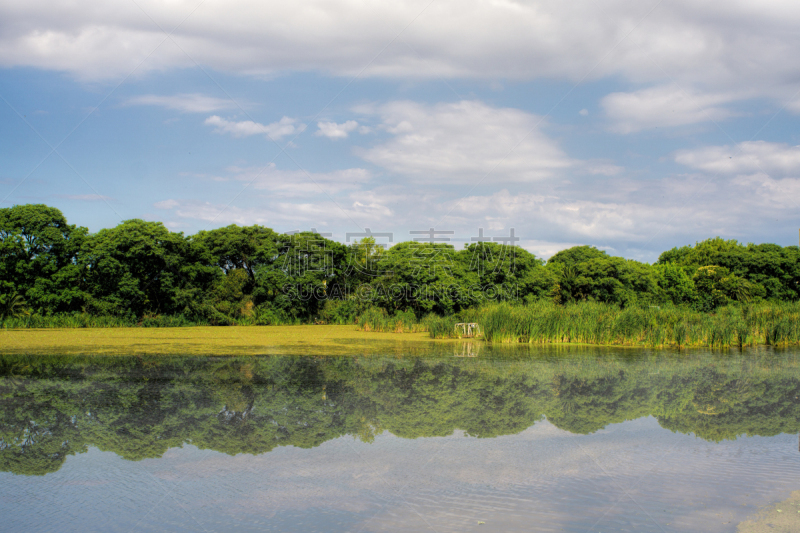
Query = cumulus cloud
x=663 y=106
x=284 y=215
x=245 y=128
x=750 y=156
x=467 y=140
x=186 y=103
x=620 y=214
x=333 y=130
x=716 y=43
x=299 y=183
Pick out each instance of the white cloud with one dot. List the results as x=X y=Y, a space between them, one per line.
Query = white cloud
x=663 y=106
x=772 y=195
x=624 y=215
x=601 y=168
x=464 y=142
x=333 y=130
x=299 y=183
x=286 y=215
x=186 y=103
x=245 y=128
x=741 y=43
x=166 y=204
x=793 y=105
x=576 y=220
x=747 y=157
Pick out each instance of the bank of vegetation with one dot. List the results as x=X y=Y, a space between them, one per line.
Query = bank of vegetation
x=716 y=293
x=543 y=322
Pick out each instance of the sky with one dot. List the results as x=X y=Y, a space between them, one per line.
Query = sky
x=630 y=125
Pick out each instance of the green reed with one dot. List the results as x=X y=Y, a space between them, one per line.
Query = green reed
x=596 y=323
x=377 y=319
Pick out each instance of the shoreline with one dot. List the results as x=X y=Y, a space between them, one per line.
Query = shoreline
x=258 y=340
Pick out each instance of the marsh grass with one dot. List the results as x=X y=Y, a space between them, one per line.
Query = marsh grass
x=595 y=323
x=776 y=324
x=377 y=319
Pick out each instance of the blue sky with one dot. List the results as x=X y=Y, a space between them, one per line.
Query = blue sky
x=631 y=126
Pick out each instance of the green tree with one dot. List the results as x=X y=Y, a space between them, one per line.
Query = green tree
x=585 y=273
x=235 y=247
x=577 y=254
x=38 y=257
x=421 y=277
x=307 y=270
x=141 y=267
x=12 y=304
x=675 y=283
x=717 y=286
x=510 y=272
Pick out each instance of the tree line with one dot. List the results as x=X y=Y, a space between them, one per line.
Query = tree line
x=252 y=274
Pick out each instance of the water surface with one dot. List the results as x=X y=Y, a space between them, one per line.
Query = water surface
x=533 y=439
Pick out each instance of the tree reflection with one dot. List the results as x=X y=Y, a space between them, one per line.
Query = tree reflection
x=53 y=407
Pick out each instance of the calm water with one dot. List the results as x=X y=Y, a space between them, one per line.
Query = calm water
x=569 y=439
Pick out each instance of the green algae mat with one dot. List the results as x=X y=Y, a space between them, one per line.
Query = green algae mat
x=241 y=340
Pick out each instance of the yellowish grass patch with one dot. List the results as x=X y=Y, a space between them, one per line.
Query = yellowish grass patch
x=243 y=340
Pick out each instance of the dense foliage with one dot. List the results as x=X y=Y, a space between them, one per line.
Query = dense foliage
x=53 y=407
x=139 y=272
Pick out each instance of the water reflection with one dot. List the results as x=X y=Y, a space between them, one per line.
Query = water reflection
x=139 y=407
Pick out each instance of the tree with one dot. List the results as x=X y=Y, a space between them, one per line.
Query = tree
x=702 y=253
x=234 y=247
x=577 y=254
x=586 y=273
x=307 y=270
x=140 y=267
x=675 y=283
x=717 y=286
x=38 y=257
x=421 y=277
x=510 y=272
x=12 y=304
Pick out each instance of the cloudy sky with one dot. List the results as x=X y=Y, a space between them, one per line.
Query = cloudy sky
x=633 y=126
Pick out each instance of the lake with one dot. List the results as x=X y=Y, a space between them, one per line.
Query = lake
x=466 y=438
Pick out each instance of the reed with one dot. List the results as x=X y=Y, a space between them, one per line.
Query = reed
x=594 y=323
x=378 y=319
x=439 y=327
x=544 y=322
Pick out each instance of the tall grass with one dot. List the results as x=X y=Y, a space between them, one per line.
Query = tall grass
x=439 y=327
x=594 y=323
x=377 y=319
